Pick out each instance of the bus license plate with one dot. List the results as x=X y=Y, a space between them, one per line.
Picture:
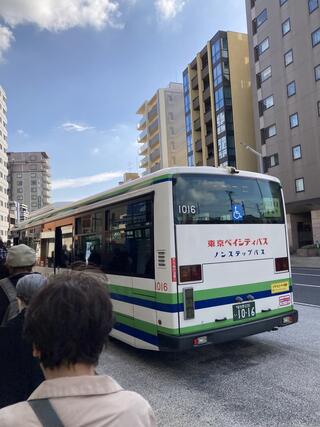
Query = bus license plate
x=245 y=310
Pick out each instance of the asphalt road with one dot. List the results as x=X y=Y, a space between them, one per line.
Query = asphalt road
x=306 y=285
x=271 y=379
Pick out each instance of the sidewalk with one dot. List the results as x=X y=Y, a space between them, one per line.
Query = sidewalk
x=300 y=261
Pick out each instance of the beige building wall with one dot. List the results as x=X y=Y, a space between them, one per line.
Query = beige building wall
x=162 y=130
x=241 y=91
x=4 y=205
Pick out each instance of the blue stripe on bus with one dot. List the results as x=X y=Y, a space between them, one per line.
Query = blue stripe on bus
x=175 y=308
x=137 y=333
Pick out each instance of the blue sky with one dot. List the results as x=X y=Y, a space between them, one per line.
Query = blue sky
x=76 y=71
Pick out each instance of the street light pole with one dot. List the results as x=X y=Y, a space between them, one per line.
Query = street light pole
x=257 y=153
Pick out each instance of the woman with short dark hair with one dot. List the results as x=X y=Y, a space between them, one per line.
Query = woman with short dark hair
x=68 y=323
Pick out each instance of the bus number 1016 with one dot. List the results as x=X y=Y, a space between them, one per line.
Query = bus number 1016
x=187 y=209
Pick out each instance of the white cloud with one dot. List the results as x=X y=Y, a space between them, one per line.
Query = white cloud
x=6 y=38
x=58 y=15
x=96 y=151
x=21 y=132
x=75 y=127
x=85 y=180
x=168 y=9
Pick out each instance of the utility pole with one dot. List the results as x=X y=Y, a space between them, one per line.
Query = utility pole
x=259 y=155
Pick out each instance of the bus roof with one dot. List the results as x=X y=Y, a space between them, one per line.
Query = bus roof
x=49 y=214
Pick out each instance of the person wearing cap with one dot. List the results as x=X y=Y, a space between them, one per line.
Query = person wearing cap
x=20 y=372
x=20 y=261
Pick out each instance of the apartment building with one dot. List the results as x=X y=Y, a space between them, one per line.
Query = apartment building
x=4 y=209
x=17 y=212
x=218 y=104
x=162 y=130
x=284 y=38
x=29 y=179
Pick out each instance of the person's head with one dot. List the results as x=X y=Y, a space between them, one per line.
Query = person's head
x=27 y=287
x=20 y=259
x=69 y=320
x=8 y=244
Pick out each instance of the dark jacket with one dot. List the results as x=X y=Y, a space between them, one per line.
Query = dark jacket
x=4 y=302
x=20 y=372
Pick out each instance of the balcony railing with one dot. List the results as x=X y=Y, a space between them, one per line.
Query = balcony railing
x=198 y=145
x=143 y=148
x=208 y=116
x=209 y=139
x=155 y=155
x=194 y=82
x=153 y=127
x=197 y=125
x=206 y=93
x=205 y=72
x=144 y=162
x=196 y=104
x=154 y=141
x=142 y=123
x=210 y=161
x=142 y=135
x=153 y=112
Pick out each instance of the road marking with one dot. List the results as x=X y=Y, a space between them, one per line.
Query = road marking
x=308 y=305
x=305 y=274
x=308 y=286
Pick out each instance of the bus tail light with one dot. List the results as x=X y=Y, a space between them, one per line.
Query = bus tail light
x=190 y=273
x=174 y=269
x=200 y=341
x=188 y=299
x=287 y=320
x=282 y=264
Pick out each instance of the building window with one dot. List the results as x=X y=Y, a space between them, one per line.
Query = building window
x=33 y=175
x=171 y=131
x=33 y=189
x=19 y=197
x=315 y=36
x=221 y=123
x=170 y=116
x=217 y=75
x=19 y=190
x=317 y=72
x=172 y=146
x=216 y=51
x=219 y=101
x=33 y=197
x=313 y=5
x=261 y=48
x=270 y=131
x=265 y=75
x=288 y=57
x=282 y=2
x=274 y=160
x=318 y=105
x=33 y=182
x=19 y=175
x=265 y=104
x=299 y=185
x=286 y=27
x=170 y=99
x=296 y=152
x=291 y=88
x=294 y=120
x=260 y=19
x=19 y=183
x=188 y=123
x=222 y=147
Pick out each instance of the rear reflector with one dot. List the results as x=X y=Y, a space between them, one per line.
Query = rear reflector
x=188 y=300
x=174 y=269
x=287 y=320
x=282 y=264
x=190 y=273
x=200 y=341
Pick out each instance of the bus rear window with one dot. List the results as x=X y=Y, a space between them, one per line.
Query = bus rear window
x=216 y=199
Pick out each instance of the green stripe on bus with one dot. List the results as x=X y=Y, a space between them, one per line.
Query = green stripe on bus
x=168 y=298
x=150 y=328
x=233 y=290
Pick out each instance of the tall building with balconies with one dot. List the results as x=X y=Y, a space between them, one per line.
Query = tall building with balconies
x=4 y=207
x=162 y=129
x=284 y=39
x=29 y=179
x=218 y=104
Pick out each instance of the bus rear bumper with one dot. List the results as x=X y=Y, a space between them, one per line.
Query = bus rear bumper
x=186 y=342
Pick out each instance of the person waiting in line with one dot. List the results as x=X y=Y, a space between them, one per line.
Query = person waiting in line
x=20 y=372
x=68 y=323
x=20 y=261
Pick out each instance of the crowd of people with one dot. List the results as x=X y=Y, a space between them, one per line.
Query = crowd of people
x=52 y=333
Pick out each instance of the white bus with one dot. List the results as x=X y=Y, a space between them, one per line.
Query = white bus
x=194 y=256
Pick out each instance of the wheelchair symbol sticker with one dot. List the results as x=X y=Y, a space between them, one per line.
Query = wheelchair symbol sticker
x=237 y=212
